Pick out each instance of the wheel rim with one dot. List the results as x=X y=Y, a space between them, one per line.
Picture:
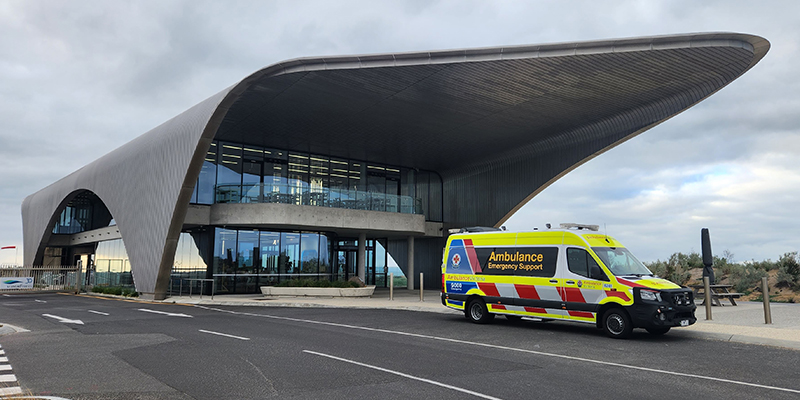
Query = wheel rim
x=476 y=311
x=615 y=324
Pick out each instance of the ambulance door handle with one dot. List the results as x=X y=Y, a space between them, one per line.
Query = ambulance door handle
x=553 y=280
x=570 y=282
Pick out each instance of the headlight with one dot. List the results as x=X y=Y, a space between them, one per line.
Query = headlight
x=651 y=295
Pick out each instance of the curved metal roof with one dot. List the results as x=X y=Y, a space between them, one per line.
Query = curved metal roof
x=499 y=124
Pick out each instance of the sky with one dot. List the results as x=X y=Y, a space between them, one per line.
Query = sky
x=80 y=78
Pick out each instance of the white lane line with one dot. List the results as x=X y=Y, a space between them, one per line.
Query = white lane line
x=39 y=301
x=8 y=378
x=5 y=367
x=494 y=346
x=64 y=320
x=223 y=334
x=2 y=352
x=98 y=312
x=444 y=385
x=165 y=313
x=3 y=359
x=7 y=295
x=10 y=391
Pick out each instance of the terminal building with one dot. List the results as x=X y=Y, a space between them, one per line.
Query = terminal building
x=327 y=167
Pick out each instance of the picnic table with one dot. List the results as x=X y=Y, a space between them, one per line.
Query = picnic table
x=717 y=292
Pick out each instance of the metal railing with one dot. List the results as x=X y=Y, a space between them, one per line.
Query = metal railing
x=321 y=197
x=191 y=285
x=39 y=279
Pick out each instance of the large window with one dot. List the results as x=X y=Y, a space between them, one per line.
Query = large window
x=245 y=260
x=233 y=173
x=111 y=265
x=229 y=174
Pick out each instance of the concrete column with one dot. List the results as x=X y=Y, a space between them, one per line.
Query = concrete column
x=361 y=256
x=410 y=258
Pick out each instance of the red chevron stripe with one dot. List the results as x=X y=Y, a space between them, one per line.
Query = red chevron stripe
x=573 y=295
x=489 y=288
x=498 y=307
x=581 y=314
x=527 y=292
x=629 y=283
x=473 y=257
x=621 y=295
x=536 y=310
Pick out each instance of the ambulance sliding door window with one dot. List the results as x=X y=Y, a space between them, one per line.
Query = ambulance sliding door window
x=581 y=263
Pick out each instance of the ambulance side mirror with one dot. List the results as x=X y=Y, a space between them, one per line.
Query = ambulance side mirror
x=597 y=273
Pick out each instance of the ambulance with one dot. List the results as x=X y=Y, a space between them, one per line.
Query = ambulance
x=574 y=273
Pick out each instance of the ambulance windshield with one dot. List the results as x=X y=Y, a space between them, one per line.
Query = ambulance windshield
x=621 y=262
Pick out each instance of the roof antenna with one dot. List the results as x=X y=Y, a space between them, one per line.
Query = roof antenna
x=606 y=232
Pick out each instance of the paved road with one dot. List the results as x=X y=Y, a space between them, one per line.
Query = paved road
x=130 y=350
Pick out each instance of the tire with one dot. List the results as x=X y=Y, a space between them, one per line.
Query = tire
x=513 y=318
x=617 y=324
x=658 y=331
x=477 y=312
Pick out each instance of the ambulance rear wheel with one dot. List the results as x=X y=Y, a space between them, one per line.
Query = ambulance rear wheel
x=617 y=324
x=658 y=331
x=477 y=312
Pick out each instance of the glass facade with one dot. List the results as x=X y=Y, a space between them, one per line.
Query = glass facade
x=243 y=260
x=246 y=259
x=234 y=173
x=111 y=265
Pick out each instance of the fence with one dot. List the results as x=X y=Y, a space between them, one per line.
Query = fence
x=39 y=279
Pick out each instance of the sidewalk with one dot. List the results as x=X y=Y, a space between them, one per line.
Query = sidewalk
x=743 y=323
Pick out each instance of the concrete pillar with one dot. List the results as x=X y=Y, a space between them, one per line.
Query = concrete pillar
x=361 y=256
x=410 y=258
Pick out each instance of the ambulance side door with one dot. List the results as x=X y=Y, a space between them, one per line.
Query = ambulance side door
x=538 y=290
x=583 y=284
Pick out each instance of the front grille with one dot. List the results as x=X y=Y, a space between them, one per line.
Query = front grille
x=682 y=298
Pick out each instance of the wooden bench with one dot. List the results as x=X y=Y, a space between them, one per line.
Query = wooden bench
x=729 y=296
x=717 y=292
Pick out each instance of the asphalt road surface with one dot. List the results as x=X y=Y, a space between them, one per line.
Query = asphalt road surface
x=96 y=348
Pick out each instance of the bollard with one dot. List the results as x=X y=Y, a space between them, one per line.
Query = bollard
x=707 y=298
x=765 y=291
x=391 y=286
x=421 y=296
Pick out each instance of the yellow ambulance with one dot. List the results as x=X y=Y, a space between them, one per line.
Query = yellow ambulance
x=574 y=273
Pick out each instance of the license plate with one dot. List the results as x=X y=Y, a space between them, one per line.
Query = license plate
x=684 y=322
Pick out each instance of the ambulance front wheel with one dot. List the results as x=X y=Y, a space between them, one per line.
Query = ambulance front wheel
x=477 y=312
x=617 y=324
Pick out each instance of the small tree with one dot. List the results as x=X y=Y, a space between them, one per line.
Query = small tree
x=789 y=270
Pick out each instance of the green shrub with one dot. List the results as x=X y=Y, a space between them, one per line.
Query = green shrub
x=676 y=269
x=116 y=290
x=744 y=277
x=789 y=270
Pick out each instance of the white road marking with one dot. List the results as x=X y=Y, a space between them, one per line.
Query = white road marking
x=2 y=352
x=8 y=378
x=5 y=367
x=444 y=385
x=7 y=295
x=223 y=334
x=39 y=301
x=98 y=312
x=494 y=346
x=64 y=320
x=165 y=313
x=9 y=391
x=3 y=359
